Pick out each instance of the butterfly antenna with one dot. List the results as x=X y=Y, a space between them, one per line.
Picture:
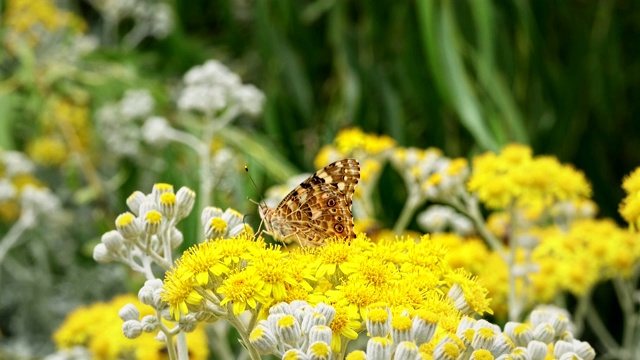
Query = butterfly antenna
x=246 y=169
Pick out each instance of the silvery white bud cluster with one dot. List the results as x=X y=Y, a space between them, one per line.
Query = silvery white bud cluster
x=211 y=88
x=518 y=340
x=150 y=18
x=149 y=231
x=74 y=353
x=441 y=218
x=567 y=211
x=296 y=328
x=15 y=163
x=428 y=175
x=35 y=202
x=120 y=123
x=397 y=337
x=222 y=224
x=154 y=19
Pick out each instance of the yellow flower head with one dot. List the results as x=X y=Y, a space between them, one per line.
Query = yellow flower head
x=99 y=328
x=243 y=288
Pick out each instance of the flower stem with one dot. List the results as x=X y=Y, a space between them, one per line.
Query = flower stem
x=407 y=213
x=244 y=334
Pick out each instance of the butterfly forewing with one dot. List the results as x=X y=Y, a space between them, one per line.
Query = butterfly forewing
x=318 y=208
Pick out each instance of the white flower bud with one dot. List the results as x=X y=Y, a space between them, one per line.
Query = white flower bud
x=320 y=333
x=113 y=241
x=379 y=348
x=135 y=200
x=175 y=237
x=188 y=323
x=186 y=198
x=101 y=254
x=132 y=329
x=584 y=350
x=288 y=329
x=406 y=350
x=328 y=311
x=319 y=351
x=537 y=350
x=149 y=323
x=562 y=347
x=129 y=312
x=263 y=340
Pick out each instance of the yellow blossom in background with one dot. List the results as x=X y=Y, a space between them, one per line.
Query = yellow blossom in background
x=473 y=255
x=514 y=177
x=99 y=328
x=29 y=21
x=590 y=251
x=49 y=151
x=630 y=205
x=10 y=206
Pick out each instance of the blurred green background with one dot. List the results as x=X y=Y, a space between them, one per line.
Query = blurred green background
x=464 y=76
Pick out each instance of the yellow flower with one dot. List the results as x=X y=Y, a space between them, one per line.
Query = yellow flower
x=99 y=328
x=631 y=182
x=179 y=291
x=473 y=297
x=356 y=293
x=271 y=266
x=243 y=288
x=336 y=255
x=514 y=177
x=47 y=151
x=344 y=326
x=237 y=248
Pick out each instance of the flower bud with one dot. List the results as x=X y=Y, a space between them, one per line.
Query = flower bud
x=132 y=329
x=129 y=312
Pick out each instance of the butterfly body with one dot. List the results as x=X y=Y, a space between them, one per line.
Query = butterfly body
x=318 y=208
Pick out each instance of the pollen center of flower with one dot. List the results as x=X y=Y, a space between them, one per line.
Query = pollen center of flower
x=125 y=219
x=168 y=198
x=218 y=224
x=153 y=217
x=378 y=315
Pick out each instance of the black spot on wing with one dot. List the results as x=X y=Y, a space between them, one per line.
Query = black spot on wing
x=305 y=185
x=317 y=179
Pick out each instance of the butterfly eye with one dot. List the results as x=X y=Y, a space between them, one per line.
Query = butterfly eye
x=339 y=228
x=331 y=203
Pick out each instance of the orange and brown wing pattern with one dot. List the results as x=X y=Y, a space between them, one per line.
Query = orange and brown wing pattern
x=318 y=208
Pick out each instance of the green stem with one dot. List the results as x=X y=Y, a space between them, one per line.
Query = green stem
x=183 y=350
x=581 y=311
x=468 y=206
x=244 y=333
x=625 y=296
x=171 y=350
x=407 y=213
x=603 y=335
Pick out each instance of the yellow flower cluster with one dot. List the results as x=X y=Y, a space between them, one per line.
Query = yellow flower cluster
x=28 y=21
x=241 y=273
x=590 y=251
x=66 y=129
x=10 y=206
x=630 y=206
x=571 y=260
x=98 y=328
x=516 y=178
x=473 y=255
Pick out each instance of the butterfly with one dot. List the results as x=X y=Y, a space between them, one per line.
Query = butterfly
x=318 y=208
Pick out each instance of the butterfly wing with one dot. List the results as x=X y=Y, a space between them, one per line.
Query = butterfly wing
x=320 y=206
